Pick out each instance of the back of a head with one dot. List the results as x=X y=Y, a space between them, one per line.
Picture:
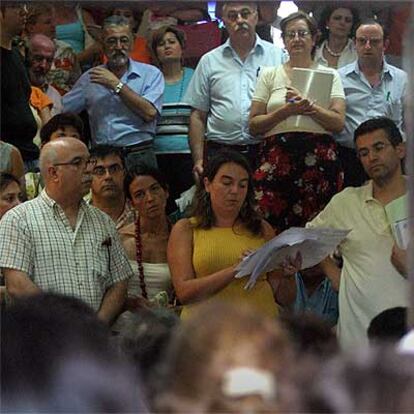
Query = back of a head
x=221 y=342
x=374 y=379
x=388 y=326
x=44 y=338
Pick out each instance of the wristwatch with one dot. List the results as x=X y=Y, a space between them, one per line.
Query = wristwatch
x=118 y=88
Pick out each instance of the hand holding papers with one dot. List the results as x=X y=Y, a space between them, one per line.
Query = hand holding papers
x=313 y=244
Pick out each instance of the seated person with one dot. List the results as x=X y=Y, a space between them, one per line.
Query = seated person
x=66 y=125
x=204 y=250
x=11 y=160
x=310 y=291
x=145 y=240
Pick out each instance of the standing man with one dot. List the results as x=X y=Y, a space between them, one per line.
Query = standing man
x=107 y=185
x=18 y=126
x=123 y=98
x=222 y=86
x=372 y=88
x=58 y=243
x=369 y=281
x=41 y=53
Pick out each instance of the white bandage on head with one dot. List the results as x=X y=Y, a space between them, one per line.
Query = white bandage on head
x=244 y=381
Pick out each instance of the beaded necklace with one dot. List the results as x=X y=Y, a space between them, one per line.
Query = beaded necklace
x=138 y=247
x=331 y=52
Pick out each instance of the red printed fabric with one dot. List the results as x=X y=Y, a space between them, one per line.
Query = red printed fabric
x=297 y=176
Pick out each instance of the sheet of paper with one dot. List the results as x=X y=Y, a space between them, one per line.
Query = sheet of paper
x=313 y=244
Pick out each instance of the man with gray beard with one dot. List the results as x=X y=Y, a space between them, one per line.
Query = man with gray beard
x=123 y=97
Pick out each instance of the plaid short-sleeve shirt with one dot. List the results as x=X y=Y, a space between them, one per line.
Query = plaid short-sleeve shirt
x=36 y=238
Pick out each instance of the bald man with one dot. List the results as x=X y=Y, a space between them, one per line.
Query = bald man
x=41 y=53
x=58 y=243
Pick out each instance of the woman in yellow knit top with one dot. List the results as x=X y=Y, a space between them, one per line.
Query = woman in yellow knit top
x=204 y=250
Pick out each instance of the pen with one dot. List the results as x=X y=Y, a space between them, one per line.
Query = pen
x=388 y=96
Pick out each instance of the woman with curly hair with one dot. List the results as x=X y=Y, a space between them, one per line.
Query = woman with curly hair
x=204 y=250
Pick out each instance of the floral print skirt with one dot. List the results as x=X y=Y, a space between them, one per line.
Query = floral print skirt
x=298 y=174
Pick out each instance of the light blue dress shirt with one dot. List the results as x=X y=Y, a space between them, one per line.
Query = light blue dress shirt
x=111 y=121
x=223 y=86
x=364 y=102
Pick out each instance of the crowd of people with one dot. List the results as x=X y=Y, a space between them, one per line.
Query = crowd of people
x=133 y=184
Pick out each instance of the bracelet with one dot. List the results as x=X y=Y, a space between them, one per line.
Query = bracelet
x=118 y=88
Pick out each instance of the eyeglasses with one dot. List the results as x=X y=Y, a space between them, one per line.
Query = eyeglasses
x=100 y=171
x=373 y=41
x=113 y=41
x=78 y=162
x=232 y=15
x=302 y=34
x=376 y=149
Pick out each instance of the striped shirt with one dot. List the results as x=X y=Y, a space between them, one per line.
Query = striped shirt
x=36 y=238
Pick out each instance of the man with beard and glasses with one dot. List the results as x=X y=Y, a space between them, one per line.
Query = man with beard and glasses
x=40 y=57
x=107 y=185
x=123 y=97
x=221 y=89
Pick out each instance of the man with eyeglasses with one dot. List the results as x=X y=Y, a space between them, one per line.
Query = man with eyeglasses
x=123 y=97
x=57 y=242
x=40 y=56
x=371 y=279
x=18 y=126
x=107 y=185
x=372 y=88
x=65 y=69
x=222 y=87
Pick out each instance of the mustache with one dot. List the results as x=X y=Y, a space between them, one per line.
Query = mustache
x=243 y=25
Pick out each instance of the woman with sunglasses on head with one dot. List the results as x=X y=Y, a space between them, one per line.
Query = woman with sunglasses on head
x=337 y=26
x=299 y=170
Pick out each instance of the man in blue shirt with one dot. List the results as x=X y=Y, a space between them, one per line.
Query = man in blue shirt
x=221 y=89
x=123 y=98
x=372 y=88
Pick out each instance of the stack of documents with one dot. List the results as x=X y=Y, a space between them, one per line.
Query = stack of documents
x=313 y=244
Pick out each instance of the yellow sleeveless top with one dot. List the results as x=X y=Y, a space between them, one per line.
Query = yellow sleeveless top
x=217 y=248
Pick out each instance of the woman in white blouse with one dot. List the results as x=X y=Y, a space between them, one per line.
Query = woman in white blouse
x=299 y=169
x=337 y=26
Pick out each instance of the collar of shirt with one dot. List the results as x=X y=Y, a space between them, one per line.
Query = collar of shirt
x=132 y=71
x=258 y=46
x=53 y=204
x=354 y=67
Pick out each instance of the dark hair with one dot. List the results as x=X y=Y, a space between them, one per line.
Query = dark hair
x=301 y=15
x=103 y=151
x=36 y=10
x=54 y=343
x=389 y=325
x=160 y=33
x=140 y=170
x=6 y=179
x=370 y=21
x=326 y=14
x=60 y=121
x=202 y=204
x=388 y=125
x=126 y=5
